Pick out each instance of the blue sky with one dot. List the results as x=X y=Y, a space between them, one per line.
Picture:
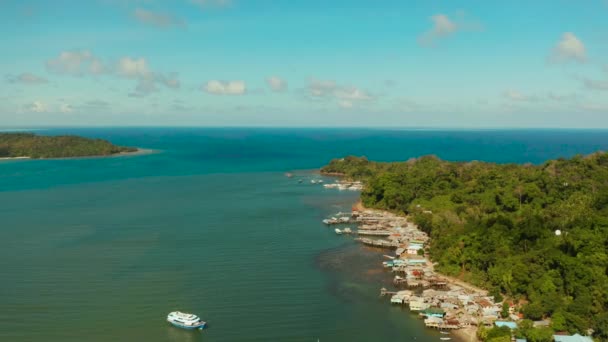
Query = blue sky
x=304 y=63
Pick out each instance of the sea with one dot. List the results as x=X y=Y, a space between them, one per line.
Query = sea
x=101 y=249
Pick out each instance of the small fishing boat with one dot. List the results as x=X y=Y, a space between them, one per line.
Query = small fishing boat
x=347 y=230
x=445 y=338
x=338 y=231
x=445 y=332
x=185 y=320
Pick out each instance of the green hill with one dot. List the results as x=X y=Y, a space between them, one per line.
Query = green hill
x=38 y=146
x=537 y=233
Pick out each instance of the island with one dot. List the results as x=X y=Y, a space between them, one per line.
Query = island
x=30 y=145
x=534 y=236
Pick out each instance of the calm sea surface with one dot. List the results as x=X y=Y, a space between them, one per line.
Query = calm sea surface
x=101 y=249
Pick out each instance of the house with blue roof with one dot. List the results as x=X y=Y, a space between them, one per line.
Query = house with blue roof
x=510 y=325
x=573 y=338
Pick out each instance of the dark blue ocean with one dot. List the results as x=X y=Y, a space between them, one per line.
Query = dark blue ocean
x=101 y=249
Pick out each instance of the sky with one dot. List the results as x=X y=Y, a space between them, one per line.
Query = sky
x=314 y=63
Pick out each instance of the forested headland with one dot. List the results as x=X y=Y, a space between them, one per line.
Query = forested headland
x=30 y=145
x=535 y=233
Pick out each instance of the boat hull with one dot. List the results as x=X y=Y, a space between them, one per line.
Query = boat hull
x=189 y=327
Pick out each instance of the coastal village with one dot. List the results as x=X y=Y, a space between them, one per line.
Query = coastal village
x=442 y=302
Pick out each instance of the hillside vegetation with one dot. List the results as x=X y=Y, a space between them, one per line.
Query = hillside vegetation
x=38 y=146
x=536 y=233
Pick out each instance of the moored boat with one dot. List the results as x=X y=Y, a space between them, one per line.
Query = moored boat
x=186 y=320
x=338 y=231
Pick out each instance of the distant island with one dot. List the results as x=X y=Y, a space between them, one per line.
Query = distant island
x=30 y=145
x=535 y=234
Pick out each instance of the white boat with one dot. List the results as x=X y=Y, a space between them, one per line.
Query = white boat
x=445 y=338
x=338 y=231
x=186 y=320
x=347 y=230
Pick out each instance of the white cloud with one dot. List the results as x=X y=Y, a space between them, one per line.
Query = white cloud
x=345 y=96
x=27 y=78
x=352 y=94
x=225 y=87
x=276 y=83
x=133 y=68
x=162 y=20
x=320 y=88
x=76 y=63
x=170 y=81
x=137 y=68
x=443 y=27
x=36 y=107
x=515 y=95
x=81 y=63
x=65 y=108
x=569 y=48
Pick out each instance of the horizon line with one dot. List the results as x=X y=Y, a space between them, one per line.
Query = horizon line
x=391 y=128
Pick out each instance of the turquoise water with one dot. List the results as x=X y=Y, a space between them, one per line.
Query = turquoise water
x=101 y=249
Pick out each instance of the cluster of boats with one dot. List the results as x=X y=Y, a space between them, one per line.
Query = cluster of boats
x=352 y=186
x=337 y=220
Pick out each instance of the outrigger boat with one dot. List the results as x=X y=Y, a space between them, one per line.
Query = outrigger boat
x=186 y=320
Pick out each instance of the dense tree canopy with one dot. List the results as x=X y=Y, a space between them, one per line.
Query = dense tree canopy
x=36 y=146
x=537 y=233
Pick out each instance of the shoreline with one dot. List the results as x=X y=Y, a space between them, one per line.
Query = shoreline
x=467 y=325
x=463 y=334
x=137 y=152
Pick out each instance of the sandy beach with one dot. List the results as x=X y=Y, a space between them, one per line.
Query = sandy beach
x=468 y=334
x=14 y=158
x=139 y=152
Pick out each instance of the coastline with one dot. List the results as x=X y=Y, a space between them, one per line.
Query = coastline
x=15 y=158
x=466 y=332
x=137 y=152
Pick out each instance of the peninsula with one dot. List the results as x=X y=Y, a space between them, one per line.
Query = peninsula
x=533 y=234
x=30 y=145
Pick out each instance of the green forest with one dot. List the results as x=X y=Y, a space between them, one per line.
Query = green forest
x=537 y=234
x=38 y=146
